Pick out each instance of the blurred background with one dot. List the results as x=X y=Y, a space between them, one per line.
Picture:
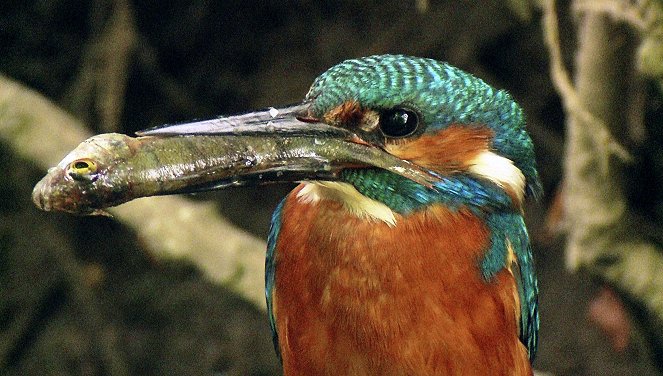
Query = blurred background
x=90 y=296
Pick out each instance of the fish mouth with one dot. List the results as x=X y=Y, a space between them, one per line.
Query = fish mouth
x=333 y=148
x=51 y=194
x=39 y=193
x=61 y=189
x=44 y=189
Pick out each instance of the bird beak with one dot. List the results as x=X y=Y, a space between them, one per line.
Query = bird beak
x=311 y=149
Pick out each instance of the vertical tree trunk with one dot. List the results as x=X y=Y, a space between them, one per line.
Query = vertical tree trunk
x=602 y=239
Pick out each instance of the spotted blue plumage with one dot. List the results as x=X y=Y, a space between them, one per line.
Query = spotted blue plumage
x=446 y=95
x=442 y=95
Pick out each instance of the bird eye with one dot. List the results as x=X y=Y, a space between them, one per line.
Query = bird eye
x=82 y=168
x=398 y=122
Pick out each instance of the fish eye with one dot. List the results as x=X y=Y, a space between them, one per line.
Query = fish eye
x=82 y=168
x=398 y=122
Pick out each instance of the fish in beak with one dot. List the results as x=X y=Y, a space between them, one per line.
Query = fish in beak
x=268 y=146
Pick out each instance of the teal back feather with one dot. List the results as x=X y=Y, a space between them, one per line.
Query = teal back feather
x=270 y=272
x=510 y=227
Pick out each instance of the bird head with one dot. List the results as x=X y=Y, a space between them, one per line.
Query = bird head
x=438 y=118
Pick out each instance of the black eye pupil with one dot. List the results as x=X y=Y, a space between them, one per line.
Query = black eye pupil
x=81 y=165
x=398 y=122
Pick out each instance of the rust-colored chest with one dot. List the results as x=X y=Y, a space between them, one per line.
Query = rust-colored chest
x=354 y=296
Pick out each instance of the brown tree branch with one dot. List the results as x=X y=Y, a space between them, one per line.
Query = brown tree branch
x=116 y=46
x=570 y=98
x=104 y=70
x=643 y=16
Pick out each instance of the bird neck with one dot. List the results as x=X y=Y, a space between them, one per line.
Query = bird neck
x=404 y=196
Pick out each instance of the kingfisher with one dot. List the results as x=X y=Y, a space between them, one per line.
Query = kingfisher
x=372 y=272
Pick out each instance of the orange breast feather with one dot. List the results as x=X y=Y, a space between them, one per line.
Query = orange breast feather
x=357 y=297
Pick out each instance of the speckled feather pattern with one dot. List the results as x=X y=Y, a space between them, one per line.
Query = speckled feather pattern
x=441 y=93
x=443 y=96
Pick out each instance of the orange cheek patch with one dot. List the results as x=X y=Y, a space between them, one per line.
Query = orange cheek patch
x=446 y=151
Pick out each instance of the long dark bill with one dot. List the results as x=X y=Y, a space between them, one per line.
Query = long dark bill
x=310 y=149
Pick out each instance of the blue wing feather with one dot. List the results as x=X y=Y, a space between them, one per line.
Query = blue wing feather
x=529 y=301
x=511 y=227
x=270 y=270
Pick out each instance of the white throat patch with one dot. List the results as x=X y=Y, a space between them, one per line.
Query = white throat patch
x=499 y=170
x=352 y=200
